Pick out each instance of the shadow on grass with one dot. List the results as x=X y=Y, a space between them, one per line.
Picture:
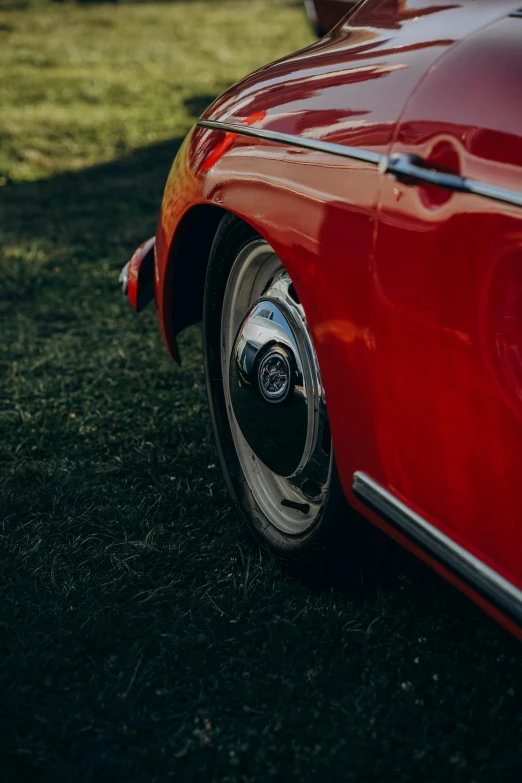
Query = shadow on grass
x=141 y=632
x=107 y=204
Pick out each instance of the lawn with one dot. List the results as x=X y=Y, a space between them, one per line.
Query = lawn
x=143 y=635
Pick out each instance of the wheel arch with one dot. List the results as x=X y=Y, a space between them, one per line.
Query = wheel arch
x=186 y=269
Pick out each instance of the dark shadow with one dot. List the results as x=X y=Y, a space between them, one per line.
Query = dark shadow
x=110 y=204
x=197 y=104
x=106 y=205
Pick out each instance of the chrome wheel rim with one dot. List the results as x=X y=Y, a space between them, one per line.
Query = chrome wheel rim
x=273 y=392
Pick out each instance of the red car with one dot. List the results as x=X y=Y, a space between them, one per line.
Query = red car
x=347 y=223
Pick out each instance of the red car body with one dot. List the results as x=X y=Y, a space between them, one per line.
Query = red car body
x=412 y=283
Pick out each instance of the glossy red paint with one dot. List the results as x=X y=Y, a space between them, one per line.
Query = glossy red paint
x=411 y=292
x=447 y=302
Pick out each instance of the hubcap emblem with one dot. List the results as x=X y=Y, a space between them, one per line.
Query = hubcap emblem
x=274 y=377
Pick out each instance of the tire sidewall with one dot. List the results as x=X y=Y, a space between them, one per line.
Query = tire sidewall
x=232 y=237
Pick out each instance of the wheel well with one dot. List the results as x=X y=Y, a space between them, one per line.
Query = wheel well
x=188 y=261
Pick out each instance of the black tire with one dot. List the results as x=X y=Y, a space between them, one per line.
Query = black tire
x=338 y=531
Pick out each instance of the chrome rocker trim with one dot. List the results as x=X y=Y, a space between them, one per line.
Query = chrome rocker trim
x=407 y=168
x=472 y=571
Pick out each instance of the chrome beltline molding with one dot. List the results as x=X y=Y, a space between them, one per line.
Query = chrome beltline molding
x=404 y=167
x=408 y=167
x=354 y=153
x=476 y=574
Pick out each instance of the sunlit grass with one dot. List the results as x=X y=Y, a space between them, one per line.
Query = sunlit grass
x=83 y=84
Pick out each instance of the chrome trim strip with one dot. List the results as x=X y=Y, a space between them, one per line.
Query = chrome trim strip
x=354 y=153
x=494 y=193
x=483 y=579
x=410 y=167
x=402 y=166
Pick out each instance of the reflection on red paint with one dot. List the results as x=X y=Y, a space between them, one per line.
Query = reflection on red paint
x=223 y=146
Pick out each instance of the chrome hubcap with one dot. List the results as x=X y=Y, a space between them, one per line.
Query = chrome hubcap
x=268 y=389
x=275 y=399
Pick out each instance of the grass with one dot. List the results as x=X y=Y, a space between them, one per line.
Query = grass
x=143 y=636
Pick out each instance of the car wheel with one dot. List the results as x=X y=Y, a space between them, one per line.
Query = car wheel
x=267 y=404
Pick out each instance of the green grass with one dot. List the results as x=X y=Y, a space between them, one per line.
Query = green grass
x=143 y=635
